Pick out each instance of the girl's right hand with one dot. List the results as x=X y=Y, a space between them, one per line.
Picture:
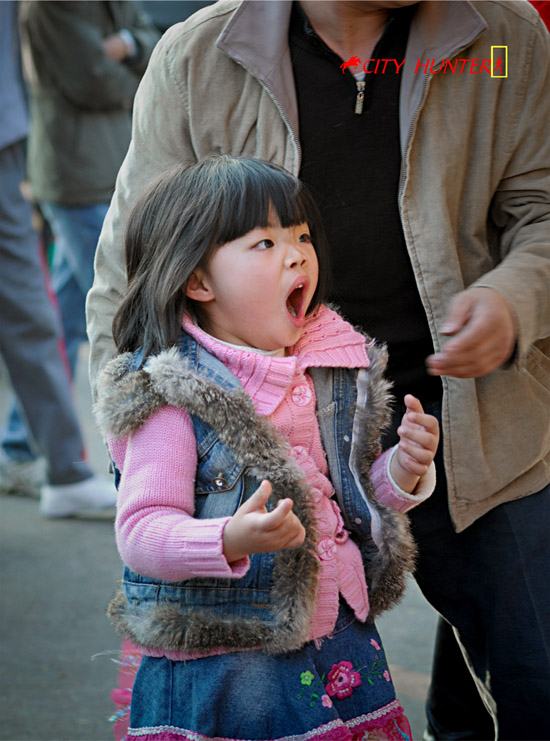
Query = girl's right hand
x=253 y=529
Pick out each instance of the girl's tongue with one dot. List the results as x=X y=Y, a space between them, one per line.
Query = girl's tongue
x=295 y=301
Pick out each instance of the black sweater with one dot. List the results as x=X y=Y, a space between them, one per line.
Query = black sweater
x=352 y=163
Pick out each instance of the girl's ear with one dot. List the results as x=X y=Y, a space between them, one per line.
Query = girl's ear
x=198 y=287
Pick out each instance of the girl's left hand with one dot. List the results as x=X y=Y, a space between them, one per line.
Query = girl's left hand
x=419 y=438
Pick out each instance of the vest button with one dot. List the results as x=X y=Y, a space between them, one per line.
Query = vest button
x=301 y=395
x=219 y=480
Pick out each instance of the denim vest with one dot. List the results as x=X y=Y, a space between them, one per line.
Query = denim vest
x=271 y=606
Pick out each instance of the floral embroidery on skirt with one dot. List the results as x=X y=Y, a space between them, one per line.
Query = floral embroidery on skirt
x=337 y=689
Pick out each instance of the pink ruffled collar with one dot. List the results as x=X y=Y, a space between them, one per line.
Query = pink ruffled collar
x=327 y=341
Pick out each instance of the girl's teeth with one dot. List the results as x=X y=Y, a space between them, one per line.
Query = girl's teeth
x=291 y=308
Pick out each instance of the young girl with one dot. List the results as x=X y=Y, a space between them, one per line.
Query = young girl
x=260 y=526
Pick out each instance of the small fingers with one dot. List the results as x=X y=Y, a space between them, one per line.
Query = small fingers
x=413 y=404
x=298 y=539
x=289 y=534
x=277 y=516
x=293 y=536
x=412 y=461
x=422 y=455
x=417 y=438
x=419 y=427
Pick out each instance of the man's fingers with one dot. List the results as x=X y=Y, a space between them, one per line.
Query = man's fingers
x=458 y=314
x=472 y=338
x=483 y=335
x=467 y=367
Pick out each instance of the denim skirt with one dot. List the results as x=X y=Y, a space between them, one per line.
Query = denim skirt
x=335 y=689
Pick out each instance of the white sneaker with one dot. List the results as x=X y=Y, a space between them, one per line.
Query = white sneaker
x=22 y=477
x=93 y=497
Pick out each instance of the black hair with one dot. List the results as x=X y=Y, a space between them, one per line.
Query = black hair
x=178 y=223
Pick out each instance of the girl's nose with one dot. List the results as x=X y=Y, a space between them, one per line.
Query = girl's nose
x=294 y=256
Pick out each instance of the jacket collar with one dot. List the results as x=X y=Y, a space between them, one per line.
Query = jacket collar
x=257 y=38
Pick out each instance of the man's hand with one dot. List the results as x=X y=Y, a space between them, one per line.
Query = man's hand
x=483 y=333
x=253 y=529
x=115 y=47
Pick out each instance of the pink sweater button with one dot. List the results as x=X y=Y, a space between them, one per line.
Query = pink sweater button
x=301 y=395
x=326 y=549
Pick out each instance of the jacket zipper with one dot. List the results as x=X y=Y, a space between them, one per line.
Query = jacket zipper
x=408 y=141
x=360 y=97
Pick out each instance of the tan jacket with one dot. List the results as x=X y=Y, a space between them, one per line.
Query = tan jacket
x=474 y=198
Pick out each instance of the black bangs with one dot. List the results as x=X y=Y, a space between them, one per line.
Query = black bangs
x=247 y=194
x=251 y=194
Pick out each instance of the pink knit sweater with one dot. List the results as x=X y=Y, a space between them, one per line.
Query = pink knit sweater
x=156 y=533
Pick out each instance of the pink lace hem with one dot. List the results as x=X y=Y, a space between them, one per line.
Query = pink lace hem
x=386 y=724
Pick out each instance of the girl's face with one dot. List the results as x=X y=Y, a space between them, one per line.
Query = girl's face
x=256 y=289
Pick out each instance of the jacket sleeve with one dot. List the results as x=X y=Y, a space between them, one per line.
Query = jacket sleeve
x=157 y=535
x=521 y=205
x=64 y=39
x=160 y=139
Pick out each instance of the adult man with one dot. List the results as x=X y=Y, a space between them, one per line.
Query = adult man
x=434 y=190
x=84 y=62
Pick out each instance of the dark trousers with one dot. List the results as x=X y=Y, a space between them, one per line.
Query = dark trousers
x=490 y=583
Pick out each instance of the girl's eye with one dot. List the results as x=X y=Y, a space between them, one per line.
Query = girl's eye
x=305 y=238
x=265 y=244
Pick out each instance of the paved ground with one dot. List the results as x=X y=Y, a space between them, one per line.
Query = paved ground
x=56 y=580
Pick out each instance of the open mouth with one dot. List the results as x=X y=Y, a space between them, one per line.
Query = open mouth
x=295 y=300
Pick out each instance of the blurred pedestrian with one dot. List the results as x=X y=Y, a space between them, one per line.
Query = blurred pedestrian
x=83 y=61
x=29 y=330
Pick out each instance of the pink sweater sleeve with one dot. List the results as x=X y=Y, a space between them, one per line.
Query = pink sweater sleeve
x=387 y=491
x=157 y=535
